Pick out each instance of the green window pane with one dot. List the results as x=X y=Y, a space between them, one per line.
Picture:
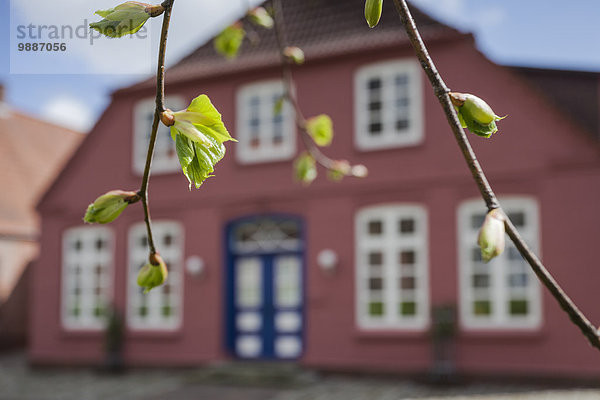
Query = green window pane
x=518 y=307
x=167 y=311
x=143 y=311
x=376 y=308
x=408 y=308
x=482 y=307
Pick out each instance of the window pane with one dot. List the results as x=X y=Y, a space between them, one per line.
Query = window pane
x=518 y=307
x=517 y=218
x=375 y=284
x=408 y=308
x=407 y=283
x=482 y=307
x=376 y=309
x=477 y=221
x=407 y=257
x=407 y=225
x=481 y=281
x=375 y=258
x=375 y=227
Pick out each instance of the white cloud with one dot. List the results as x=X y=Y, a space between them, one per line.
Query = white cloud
x=69 y=112
x=193 y=22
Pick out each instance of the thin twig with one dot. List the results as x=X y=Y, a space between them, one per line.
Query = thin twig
x=159 y=108
x=441 y=91
x=290 y=95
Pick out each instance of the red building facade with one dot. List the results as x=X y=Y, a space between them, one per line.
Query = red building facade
x=335 y=275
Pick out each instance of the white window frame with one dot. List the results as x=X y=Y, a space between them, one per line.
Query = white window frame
x=499 y=268
x=141 y=130
x=266 y=151
x=391 y=243
x=174 y=258
x=387 y=71
x=87 y=261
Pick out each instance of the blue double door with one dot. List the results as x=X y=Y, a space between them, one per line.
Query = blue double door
x=265 y=294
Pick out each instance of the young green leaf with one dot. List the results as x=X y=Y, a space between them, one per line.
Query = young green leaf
x=305 y=168
x=320 y=128
x=124 y=19
x=199 y=134
x=278 y=107
x=373 y=12
x=229 y=41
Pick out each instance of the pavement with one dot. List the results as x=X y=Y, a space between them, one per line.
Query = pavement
x=246 y=382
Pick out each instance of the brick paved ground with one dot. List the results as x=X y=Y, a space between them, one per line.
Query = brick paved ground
x=18 y=382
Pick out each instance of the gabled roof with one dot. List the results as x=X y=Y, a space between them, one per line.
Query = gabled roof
x=32 y=153
x=576 y=93
x=322 y=28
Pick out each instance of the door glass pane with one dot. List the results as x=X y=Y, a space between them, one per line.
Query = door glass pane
x=287 y=281
x=249 y=282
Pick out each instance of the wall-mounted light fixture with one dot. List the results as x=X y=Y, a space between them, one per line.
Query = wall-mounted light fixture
x=194 y=266
x=327 y=260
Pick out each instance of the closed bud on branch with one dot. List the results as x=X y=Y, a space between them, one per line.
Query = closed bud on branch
x=475 y=114
x=491 y=235
x=294 y=54
x=259 y=16
x=373 y=12
x=153 y=274
x=167 y=118
x=360 y=171
x=109 y=206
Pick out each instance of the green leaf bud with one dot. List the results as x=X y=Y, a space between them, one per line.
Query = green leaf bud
x=294 y=54
x=153 y=274
x=305 y=168
x=109 y=206
x=475 y=114
x=126 y=18
x=228 y=42
x=320 y=128
x=491 y=235
x=260 y=17
x=373 y=12
x=360 y=171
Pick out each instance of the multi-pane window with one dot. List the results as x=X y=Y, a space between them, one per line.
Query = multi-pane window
x=391 y=267
x=160 y=308
x=265 y=126
x=388 y=105
x=165 y=157
x=86 y=279
x=503 y=293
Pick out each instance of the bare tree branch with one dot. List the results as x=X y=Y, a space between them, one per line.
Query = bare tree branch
x=341 y=166
x=441 y=91
x=160 y=107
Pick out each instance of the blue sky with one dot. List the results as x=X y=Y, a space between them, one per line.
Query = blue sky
x=539 y=33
